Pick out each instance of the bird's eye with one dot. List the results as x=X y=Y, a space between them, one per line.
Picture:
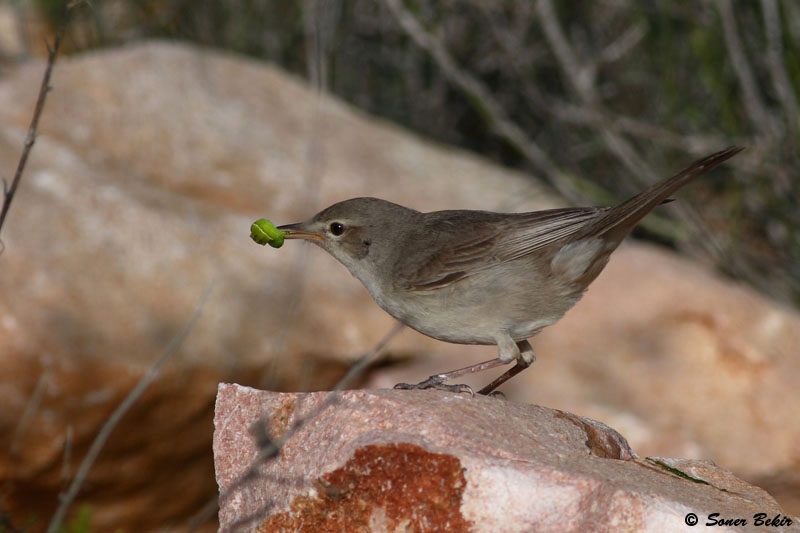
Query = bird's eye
x=337 y=228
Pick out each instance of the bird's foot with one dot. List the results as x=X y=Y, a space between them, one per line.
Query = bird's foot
x=437 y=383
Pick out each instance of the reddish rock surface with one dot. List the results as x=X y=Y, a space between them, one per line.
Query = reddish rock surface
x=388 y=460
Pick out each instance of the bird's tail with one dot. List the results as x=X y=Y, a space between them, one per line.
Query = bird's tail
x=621 y=219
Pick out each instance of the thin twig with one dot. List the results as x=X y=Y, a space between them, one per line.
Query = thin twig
x=623 y=44
x=30 y=138
x=578 y=76
x=581 y=77
x=480 y=96
x=695 y=144
x=66 y=461
x=133 y=396
x=792 y=19
x=751 y=100
x=777 y=65
x=270 y=448
x=28 y=414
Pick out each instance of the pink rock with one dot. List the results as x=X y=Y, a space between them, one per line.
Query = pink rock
x=388 y=460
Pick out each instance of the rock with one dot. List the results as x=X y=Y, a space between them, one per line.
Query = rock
x=388 y=460
x=151 y=163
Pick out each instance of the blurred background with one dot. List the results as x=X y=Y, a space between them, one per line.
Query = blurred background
x=587 y=101
x=588 y=96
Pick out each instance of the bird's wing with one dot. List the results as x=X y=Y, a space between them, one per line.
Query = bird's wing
x=477 y=241
x=532 y=231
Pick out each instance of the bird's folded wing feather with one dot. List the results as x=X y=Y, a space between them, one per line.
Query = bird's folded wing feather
x=478 y=242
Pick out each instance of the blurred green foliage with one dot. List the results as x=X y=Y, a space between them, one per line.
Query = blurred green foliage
x=79 y=522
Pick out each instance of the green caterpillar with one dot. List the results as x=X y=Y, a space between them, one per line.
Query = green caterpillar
x=264 y=232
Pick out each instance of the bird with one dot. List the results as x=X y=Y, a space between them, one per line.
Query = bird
x=480 y=277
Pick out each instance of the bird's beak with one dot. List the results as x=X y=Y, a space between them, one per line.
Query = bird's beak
x=298 y=231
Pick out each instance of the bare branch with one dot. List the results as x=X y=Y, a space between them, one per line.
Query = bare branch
x=27 y=415
x=483 y=100
x=105 y=432
x=792 y=17
x=66 y=462
x=320 y=22
x=697 y=145
x=30 y=138
x=777 y=65
x=623 y=44
x=694 y=144
x=751 y=99
x=581 y=79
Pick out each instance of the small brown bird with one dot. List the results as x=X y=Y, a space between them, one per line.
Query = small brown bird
x=477 y=277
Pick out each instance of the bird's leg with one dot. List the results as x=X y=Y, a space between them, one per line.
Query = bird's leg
x=525 y=359
x=437 y=381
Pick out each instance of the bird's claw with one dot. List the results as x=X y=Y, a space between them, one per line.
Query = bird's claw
x=436 y=382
